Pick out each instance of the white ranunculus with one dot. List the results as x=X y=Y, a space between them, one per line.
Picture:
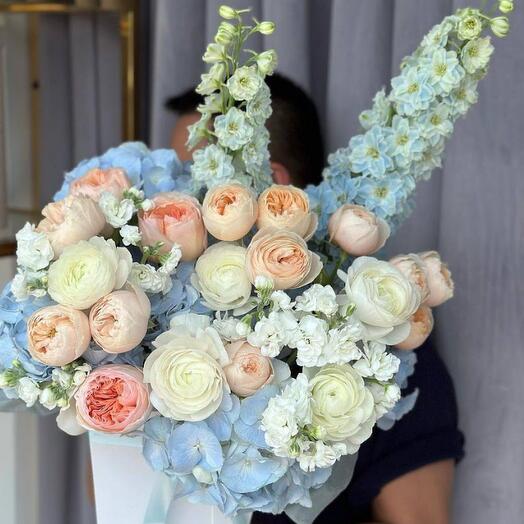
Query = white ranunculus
x=384 y=298
x=87 y=271
x=342 y=405
x=221 y=278
x=33 y=249
x=28 y=391
x=185 y=370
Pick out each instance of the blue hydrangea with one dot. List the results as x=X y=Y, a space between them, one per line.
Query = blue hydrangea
x=159 y=170
x=13 y=334
x=371 y=152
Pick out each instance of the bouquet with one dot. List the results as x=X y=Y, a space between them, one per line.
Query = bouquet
x=241 y=328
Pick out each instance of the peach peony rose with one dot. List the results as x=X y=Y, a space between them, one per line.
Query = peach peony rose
x=174 y=217
x=70 y=220
x=57 y=335
x=286 y=207
x=249 y=369
x=440 y=282
x=357 y=231
x=119 y=320
x=97 y=181
x=230 y=211
x=113 y=399
x=282 y=256
x=421 y=325
x=414 y=269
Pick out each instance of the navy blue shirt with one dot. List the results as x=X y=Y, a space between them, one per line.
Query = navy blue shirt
x=427 y=434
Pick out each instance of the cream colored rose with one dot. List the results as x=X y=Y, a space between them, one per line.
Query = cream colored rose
x=384 y=298
x=57 y=335
x=357 y=231
x=249 y=369
x=286 y=207
x=440 y=283
x=70 y=220
x=414 y=268
x=119 y=320
x=282 y=256
x=342 y=405
x=221 y=277
x=87 y=271
x=421 y=325
x=185 y=370
x=97 y=181
x=229 y=211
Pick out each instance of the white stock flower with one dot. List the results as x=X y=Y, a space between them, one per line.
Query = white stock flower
x=231 y=328
x=149 y=279
x=171 y=260
x=318 y=298
x=87 y=271
x=28 y=283
x=117 y=212
x=384 y=298
x=48 y=399
x=377 y=362
x=245 y=83
x=342 y=344
x=33 y=249
x=320 y=455
x=385 y=396
x=273 y=332
x=281 y=301
x=185 y=369
x=310 y=339
x=130 y=235
x=28 y=391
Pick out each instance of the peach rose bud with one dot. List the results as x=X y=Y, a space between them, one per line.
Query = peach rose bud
x=113 y=399
x=249 y=369
x=282 y=256
x=421 y=325
x=357 y=231
x=229 y=211
x=70 y=220
x=119 y=320
x=413 y=267
x=97 y=181
x=286 y=207
x=174 y=218
x=57 y=335
x=440 y=282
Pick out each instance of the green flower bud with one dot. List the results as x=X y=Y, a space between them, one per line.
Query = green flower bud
x=469 y=27
x=266 y=28
x=225 y=33
x=214 y=53
x=500 y=26
x=267 y=62
x=506 y=6
x=227 y=12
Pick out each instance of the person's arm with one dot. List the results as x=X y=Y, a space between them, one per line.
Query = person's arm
x=420 y=496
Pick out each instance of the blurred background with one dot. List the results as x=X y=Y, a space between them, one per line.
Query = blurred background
x=79 y=77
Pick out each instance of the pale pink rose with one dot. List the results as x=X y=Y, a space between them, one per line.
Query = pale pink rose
x=70 y=220
x=57 y=335
x=440 y=282
x=113 y=399
x=119 y=320
x=283 y=257
x=97 y=181
x=357 y=231
x=421 y=325
x=414 y=268
x=249 y=370
x=174 y=218
x=286 y=207
x=229 y=211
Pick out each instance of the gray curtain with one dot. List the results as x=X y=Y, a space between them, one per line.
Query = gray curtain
x=342 y=52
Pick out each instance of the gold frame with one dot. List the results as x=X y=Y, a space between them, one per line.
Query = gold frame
x=127 y=10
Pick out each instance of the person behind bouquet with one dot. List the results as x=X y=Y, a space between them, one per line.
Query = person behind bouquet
x=403 y=475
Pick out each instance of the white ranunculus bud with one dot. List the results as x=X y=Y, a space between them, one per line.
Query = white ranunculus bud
x=225 y=33
x=500 y=26
x=505 y=6
x=227 y=12
x=266 y=27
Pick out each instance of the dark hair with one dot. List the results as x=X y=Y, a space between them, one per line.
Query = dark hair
x=294 y=128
